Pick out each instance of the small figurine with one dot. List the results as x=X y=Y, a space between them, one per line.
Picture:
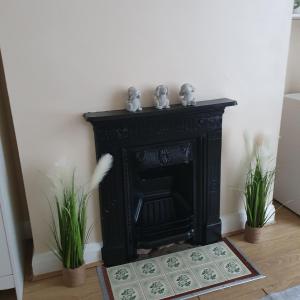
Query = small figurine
x=187 y=94
x=133 y=103
x=161 y=97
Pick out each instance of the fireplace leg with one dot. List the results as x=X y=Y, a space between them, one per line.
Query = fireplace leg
x=114 y=256
x=212 y=233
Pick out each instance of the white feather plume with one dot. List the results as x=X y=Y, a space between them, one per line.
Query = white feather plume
x=103 y=166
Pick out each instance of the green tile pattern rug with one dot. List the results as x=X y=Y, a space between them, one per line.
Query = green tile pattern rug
x=179 y=275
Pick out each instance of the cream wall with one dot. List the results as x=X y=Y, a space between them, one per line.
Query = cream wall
x=293 y=70
x=65 y=57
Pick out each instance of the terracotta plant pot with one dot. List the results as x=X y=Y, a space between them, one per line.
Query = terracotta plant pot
x=253 y=234
x=74 y=277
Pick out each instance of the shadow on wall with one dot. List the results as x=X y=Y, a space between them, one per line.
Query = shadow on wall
x=9 y=137
x=254 y=142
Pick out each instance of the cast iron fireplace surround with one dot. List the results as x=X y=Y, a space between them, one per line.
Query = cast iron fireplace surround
x=164 y=186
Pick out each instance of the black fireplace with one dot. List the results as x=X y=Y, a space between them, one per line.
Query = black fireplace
x=165 y=183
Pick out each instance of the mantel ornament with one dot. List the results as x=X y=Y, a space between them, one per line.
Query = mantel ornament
x=161 y=99
x=133 y=103
x=187 y=95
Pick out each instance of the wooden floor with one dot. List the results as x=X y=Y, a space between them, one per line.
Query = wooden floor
x=278 y=257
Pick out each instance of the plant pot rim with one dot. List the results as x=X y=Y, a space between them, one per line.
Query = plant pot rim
x=250 y=227
x=78 y=268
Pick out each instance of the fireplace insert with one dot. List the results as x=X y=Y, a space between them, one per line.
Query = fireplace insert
x=164 y=186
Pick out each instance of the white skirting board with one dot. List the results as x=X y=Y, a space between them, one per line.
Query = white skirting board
x=236 y=221
x=233 y=222
x=47 y=262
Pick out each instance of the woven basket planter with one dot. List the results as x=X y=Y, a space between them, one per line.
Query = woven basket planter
x=74 y=277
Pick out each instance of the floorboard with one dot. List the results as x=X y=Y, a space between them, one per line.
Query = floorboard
x=278 y=257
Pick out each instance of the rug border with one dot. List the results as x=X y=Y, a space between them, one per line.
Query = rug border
x=229 y=241
x=104 y=288
x=255 y=275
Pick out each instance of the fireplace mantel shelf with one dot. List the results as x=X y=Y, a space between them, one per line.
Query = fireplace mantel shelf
x=152 y=111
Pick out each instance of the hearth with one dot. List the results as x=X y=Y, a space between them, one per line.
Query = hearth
x=165 y=183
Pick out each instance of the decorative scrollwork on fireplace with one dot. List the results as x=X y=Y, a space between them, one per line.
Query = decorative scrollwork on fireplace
x=161 y=127
x=112 y=134
x=162 y=156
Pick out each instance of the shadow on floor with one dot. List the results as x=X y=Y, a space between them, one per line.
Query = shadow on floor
x=8 y=295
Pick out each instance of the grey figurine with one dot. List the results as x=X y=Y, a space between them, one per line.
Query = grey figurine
x=161 y=99
x=187 y=94
x=133 y=103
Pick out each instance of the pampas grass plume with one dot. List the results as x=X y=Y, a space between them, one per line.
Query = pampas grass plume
x=103 y=166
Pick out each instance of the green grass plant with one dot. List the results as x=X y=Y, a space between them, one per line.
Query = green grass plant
x=69 y=218
x=69 y=226
x=258 y=186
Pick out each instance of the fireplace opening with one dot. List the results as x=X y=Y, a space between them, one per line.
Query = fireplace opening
x=163 y=208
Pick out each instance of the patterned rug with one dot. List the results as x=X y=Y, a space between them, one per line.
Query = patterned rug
x=179 y=275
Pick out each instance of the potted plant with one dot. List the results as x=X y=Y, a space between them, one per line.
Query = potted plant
x=258 y=186
x=297 y=7
x=69 y=224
